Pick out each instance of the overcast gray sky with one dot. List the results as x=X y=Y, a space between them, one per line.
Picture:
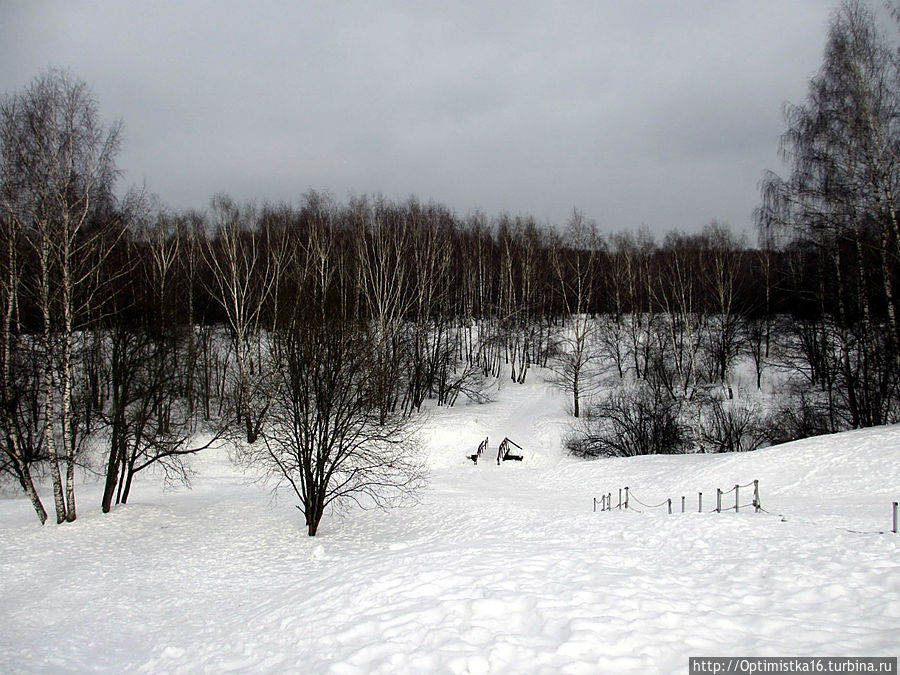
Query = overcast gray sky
x=645 y=112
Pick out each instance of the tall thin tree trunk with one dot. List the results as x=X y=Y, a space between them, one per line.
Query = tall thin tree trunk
x=14 y=448
x=68 y=433
x=47 y=388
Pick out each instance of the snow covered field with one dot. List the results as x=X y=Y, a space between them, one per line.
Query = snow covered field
x=501 y=569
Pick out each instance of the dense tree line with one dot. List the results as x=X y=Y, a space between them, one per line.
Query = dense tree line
x=311 y=334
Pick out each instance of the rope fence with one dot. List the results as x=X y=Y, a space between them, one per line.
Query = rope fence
x=627 y=501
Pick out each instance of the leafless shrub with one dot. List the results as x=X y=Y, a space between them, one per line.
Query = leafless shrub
x=630 y=422
x=732 y=427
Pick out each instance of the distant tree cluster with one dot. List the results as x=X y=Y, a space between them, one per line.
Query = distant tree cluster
x=311 y=334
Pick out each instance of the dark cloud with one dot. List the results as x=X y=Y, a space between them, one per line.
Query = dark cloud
x=655 y=113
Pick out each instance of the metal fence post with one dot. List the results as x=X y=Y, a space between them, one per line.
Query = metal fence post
x=699 y=502
x=619 y=505
x=670 y=506
x=756 y=503
x=626 y=497
x=737 y=497
x=718 y=500
x=682 y=503
x=895 y=518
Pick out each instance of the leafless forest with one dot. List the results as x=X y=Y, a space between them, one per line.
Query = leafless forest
x=311 y=334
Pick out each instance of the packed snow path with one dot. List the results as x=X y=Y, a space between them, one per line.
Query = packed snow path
x=501 y=569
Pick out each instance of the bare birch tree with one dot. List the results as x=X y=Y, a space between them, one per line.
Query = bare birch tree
x=383 y=241
x=61 y=156
x=575 y=267
x=245 y=263
x=842 y=151
x=17 y=451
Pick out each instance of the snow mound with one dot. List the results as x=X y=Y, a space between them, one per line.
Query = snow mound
x=499 y=569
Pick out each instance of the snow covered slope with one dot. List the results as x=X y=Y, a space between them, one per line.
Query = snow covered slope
x=502 y=569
